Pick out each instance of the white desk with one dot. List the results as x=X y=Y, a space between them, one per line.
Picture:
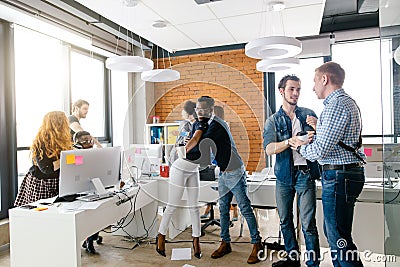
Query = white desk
x=53 y=237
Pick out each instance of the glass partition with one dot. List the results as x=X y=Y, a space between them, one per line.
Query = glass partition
x=389 y=22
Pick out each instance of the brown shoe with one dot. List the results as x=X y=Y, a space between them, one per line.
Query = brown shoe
x=160 y=244
x=223 y=249
x=253 y=258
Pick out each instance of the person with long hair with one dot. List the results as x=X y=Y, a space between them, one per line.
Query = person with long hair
x=42 y=179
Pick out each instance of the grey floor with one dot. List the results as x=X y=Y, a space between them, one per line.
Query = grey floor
x=145 y=254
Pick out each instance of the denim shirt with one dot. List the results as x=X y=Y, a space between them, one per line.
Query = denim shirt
x=278 y=127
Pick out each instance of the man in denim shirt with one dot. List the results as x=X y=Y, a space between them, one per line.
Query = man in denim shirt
x=294 y=173
x=336 y=146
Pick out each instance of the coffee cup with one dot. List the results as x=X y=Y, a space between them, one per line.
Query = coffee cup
x=181 y=151
x=303 y=136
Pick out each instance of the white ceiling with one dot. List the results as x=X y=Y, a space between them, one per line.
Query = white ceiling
x=226 y=22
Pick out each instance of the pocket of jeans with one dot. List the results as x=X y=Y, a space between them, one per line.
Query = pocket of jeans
x=353 y=188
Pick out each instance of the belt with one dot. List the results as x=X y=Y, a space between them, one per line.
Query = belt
x=301 y=168
x=330 y=167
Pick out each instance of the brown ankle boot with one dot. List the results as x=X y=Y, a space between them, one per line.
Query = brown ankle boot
x=253 y=258
x=160 y=244
x=223 y=249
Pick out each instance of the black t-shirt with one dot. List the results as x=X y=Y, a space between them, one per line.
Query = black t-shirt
x=72 y=119
x=194 y=154
x=218 y=137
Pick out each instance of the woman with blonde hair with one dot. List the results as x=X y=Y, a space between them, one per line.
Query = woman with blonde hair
x=42 y=179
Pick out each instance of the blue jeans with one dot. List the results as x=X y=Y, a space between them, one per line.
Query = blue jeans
x=231 y=184
x=305 y=187
x=340 y=189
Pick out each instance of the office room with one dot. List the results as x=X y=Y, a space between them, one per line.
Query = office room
x=130 y=75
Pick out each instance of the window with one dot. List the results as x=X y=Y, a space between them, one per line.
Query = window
x=362 y=64
x=120 y=114
x=87 y=82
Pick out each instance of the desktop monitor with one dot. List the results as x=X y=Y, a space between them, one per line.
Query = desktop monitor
x=146 y=157
x=78 y=167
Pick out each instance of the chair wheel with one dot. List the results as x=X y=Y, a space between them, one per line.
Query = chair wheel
x=99 y=240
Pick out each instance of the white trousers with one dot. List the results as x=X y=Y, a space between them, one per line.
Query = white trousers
x=183 y=174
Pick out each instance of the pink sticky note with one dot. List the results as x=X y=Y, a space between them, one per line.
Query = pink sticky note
x=368 y=152
x=138 y=150
x=129 y=159
x=78 y=160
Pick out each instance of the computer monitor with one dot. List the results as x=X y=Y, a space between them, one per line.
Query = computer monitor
x=78 y=167
x=146 y=157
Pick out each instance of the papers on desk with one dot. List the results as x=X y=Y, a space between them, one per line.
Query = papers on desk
x=181 y=254
x=79 y=205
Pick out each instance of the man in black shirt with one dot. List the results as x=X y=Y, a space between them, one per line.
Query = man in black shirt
x=80 y=109
x=232 y=181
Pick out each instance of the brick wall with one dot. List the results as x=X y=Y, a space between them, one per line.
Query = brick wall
x=230 y=77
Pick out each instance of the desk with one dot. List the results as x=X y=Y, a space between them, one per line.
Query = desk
x=53 y=237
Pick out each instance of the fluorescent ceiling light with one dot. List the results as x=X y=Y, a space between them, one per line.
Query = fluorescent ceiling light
x=272 y=65
x=160 y=75
x=273 y=47
x=129 y=63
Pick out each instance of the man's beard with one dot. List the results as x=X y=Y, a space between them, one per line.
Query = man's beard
x=289 y=102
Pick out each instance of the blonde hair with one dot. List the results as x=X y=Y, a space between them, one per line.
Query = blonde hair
x=53 y=136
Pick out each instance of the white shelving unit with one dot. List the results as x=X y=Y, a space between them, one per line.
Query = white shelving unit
x=162 y=133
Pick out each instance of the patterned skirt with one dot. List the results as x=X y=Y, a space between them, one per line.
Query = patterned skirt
x=32 y=189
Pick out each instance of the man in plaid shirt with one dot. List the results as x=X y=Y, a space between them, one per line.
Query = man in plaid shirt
x=336 y=146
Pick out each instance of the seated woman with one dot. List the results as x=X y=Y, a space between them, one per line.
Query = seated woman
x=42 y=179
x=83 y=140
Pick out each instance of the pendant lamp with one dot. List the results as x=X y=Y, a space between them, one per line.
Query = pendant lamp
x=276 y=51
x=129 y=63
x=272 y=65
x=273 y=47
x=161 y=75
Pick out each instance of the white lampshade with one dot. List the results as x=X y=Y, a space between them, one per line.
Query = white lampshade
x=160 y=75
x=396 y=55
x=272 y=65
x=273 y=47
x=129 y=63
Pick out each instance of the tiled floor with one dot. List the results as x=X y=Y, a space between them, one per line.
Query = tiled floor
x=145 y=254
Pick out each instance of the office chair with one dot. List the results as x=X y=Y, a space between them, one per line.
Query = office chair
x=211 y=220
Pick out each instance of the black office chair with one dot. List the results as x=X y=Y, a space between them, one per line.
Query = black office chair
x=211 y=220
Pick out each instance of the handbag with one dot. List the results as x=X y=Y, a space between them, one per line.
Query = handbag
x=207 y=174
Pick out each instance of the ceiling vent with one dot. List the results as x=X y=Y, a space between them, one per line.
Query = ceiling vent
x=200 y=2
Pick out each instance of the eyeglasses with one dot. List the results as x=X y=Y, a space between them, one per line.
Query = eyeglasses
x=201 y=109
x=86 y=142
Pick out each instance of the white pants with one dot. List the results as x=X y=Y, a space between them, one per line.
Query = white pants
x=183 y=174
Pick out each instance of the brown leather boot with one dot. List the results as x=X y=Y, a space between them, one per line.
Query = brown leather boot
x=253 y=258
x=223 y=249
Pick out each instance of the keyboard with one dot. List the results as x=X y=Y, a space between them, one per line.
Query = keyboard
x=95 y=197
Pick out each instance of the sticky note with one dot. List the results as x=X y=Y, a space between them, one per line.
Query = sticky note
x=129 y=159
x=78 y=160
x=71 y=159
x=138 y=150
x=368 y=152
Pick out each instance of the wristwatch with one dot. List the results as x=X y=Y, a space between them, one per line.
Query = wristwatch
x=286 y=142
x=298 y=149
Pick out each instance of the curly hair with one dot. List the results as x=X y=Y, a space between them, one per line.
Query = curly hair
x=53 y=136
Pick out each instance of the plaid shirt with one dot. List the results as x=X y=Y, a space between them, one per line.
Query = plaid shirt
x=339 y=121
